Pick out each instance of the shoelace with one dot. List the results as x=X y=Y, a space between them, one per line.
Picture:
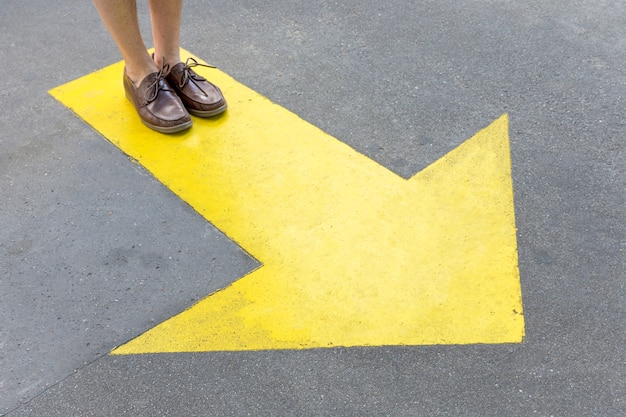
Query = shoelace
x=190 y=75
x=152 y=92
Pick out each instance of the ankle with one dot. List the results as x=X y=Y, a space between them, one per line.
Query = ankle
x=168 y=59
x=137 y=73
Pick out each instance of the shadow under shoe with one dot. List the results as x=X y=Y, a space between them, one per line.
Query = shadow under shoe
x=157 y=104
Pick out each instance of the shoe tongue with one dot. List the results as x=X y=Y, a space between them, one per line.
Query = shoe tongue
x=149 y=79
x=178 y=68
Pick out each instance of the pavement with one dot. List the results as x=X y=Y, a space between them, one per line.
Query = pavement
x=95 y=251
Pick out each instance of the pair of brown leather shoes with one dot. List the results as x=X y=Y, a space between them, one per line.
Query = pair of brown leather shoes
x=165 y=98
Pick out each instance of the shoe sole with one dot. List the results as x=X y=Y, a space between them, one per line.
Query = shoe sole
x=169 y=129
x=208 y=113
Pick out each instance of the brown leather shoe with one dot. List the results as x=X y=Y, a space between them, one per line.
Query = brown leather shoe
x=200 y=97
x=157 y=104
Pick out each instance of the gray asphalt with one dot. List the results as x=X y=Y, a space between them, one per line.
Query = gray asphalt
x=94 y=251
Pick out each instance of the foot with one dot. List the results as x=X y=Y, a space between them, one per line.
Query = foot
x=157 y=104
x=200 y=97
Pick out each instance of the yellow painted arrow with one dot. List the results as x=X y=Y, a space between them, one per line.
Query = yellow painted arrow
x=353 y=255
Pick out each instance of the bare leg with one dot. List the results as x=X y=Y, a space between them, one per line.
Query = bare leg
x=120 y=19
x=200 y=97
x=165 y=16
x=157 y=105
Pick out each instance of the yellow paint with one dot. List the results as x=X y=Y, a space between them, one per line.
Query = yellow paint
x=352 y=254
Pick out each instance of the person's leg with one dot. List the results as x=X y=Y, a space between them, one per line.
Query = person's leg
x=157 y=104
x=165 y=16
x=120 y=19
x=200 y=97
